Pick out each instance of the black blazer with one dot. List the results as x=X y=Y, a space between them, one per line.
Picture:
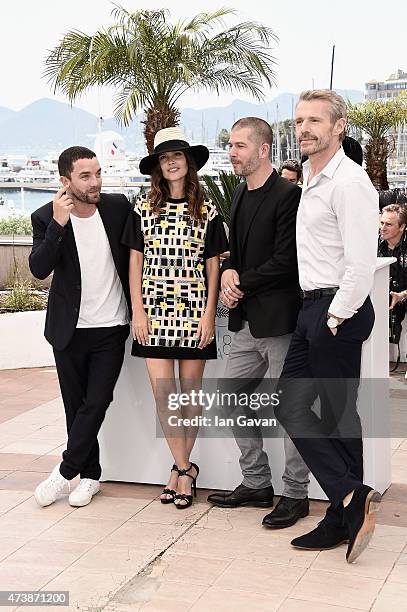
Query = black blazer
x=54 y=250
x=267 y=261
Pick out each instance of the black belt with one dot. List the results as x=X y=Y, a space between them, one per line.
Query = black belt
x=316 y=294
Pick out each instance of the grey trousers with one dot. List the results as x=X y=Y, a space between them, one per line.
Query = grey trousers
x=252 y=358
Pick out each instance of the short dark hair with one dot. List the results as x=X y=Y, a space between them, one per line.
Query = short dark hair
x=292 y=165
x=261 y=129
x=400 y=210
x=68 y=157
x=353 y=149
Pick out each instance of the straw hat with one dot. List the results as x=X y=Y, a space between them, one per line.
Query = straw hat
x=173 y=139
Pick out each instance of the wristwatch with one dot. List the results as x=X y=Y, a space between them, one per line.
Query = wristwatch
x=332 y=323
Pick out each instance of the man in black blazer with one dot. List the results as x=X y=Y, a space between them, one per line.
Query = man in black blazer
x=259 y=285
x=77 y=237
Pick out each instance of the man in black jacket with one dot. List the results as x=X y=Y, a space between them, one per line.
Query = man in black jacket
x=392 y=196
x=259 y=285
x=393 y=243
x=77 y=237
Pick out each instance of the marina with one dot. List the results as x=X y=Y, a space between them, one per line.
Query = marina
x=28 y=183
x=24 y=200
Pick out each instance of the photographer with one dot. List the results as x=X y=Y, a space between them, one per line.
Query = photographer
x=392 y=196
x=393 y=243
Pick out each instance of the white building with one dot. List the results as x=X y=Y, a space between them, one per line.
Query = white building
x=390 y=88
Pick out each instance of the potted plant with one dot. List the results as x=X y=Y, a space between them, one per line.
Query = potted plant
x=22 y=319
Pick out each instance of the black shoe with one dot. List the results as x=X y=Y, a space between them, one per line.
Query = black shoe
x=243 y=496
x=167 y=491
x=286 y=513
x=324 y=537
x=360 y=520
x=183 y=497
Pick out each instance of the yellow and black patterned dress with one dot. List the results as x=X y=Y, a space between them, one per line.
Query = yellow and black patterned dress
x=174 y=290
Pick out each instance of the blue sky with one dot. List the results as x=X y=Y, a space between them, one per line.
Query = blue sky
x=369 y=37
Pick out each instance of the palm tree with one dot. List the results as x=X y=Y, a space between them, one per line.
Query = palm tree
x=222 y=197
x=151 y=63
x=378 y=120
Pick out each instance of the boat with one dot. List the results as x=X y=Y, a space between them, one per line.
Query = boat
x=218 y=161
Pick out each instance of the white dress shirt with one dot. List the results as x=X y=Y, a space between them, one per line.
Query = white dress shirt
x=337 y=225
x=102 y=299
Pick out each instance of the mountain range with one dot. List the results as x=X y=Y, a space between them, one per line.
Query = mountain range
x=47 y=125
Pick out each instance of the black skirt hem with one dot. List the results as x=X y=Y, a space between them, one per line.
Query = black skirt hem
x=174 y=352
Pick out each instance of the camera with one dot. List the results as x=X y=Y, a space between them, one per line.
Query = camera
x=395 y=326
x=396 y=316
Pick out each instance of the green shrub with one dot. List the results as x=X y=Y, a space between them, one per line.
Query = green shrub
x=21 y=297
x=19 y=225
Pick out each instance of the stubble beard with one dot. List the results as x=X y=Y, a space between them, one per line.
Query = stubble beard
x=249 y=167
x=85 y=198
x=319 y=145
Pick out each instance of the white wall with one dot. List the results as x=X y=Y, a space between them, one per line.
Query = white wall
x=22 y=342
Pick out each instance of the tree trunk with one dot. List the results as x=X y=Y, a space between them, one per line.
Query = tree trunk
x=157 y=118
x=376 y=153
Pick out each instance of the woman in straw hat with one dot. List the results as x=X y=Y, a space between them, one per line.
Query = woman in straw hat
x=175 y=237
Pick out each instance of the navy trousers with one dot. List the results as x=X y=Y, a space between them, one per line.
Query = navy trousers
x=319 y=364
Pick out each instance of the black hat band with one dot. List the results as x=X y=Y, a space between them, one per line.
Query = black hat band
x=171 y=145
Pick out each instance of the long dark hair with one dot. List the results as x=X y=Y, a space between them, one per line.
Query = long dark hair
x=194 y=193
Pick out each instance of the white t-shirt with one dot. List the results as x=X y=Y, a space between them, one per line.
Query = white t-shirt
x=103 y=303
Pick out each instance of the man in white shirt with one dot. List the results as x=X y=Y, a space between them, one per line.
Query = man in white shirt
x=336 y=248
x=77 y=237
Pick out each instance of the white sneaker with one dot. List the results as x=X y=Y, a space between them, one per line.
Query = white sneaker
x=83 y=493
x=47 y=491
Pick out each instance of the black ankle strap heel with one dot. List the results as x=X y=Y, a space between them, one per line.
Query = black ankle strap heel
x=184 y=496
x=167 y=491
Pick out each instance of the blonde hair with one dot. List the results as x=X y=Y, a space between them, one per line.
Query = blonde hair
x=400 y=210
x=336 y=102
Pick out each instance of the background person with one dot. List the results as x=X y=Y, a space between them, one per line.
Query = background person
x=393 y=243
x=393 y=196
x=175 y=237
x=291 y=170
x=77 y=237
x=353 y=149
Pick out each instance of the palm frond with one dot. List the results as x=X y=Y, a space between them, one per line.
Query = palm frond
x=222 y=196
x=378 y=118
x=205 y=22
x=127 y=102
x=151 y=62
